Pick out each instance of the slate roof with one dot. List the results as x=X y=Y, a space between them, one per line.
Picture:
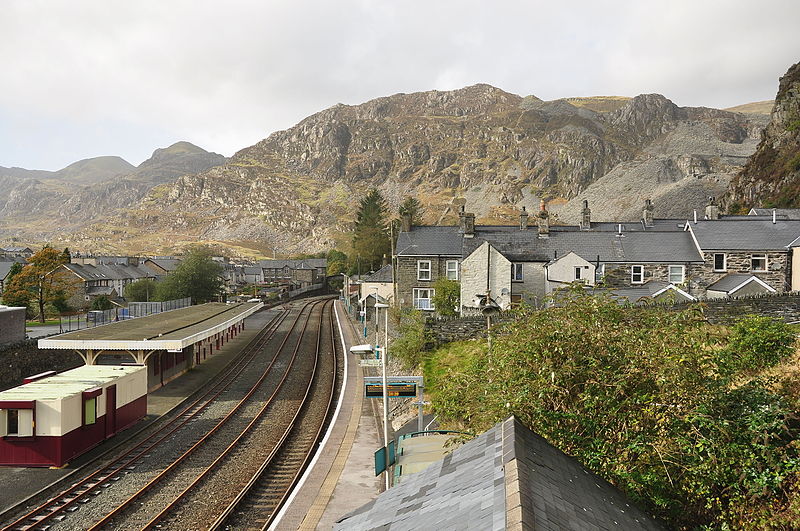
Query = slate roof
x=111 y=271
x=5 y=267
x=633 y=247
x=732 y=282
x=508 y=477
x=383 y=274
x=430 y=241
x=745 y=235
x=306 y=263
x=659 y=225
x=167 y=264
x=789 y=213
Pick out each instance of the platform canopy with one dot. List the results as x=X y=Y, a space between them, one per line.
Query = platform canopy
x=172 y=330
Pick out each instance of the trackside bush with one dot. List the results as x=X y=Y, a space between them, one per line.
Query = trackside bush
x=636 y=395
x=757 y=343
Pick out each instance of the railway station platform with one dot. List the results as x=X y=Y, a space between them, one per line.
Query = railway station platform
x=27 y=481
x=169 y=343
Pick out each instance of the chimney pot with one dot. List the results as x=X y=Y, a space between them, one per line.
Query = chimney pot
x=406 y=223
x=523 y=219
x=647 y=213
x=586 y=216
x=774 y=216
x=543 y=220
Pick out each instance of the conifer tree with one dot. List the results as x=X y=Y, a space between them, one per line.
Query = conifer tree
x=371 y=234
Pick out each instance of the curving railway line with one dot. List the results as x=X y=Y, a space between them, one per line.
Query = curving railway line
x=228 y=458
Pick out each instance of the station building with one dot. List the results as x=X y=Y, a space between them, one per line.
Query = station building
x=53 y=417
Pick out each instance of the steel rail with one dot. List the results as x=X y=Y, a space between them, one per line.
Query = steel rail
x=154 y=521
x=136 y=496
x=57 y=504
x=316 y=437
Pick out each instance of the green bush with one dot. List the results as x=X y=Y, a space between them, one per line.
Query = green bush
x=636 y=395
x=446 y=297
x=408 y=347
x=757 y=343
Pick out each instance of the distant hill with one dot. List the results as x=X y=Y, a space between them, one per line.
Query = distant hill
x=42 y=205
x=94 y=170
x=757 y=107
x=600 y=103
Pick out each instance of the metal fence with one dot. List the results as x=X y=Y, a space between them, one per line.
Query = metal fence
x=68 y=323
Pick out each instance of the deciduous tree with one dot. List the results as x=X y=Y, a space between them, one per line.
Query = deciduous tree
x=43 y=280
x=197 y=276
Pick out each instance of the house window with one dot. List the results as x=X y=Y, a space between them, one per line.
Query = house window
x=578 y=272
x=422 y=299
x=452 y=269
x=423 y=269
x=637 y=274
x=758 y=262
x=599 y=273
x=89 y=411
x=516 y=273
x=12 y=422
x=720 y=263
x=676 y=274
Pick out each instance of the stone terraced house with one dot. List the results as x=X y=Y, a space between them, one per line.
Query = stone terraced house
x=718 y=256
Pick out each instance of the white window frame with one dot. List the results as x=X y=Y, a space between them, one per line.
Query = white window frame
x=418 y=305
x=517 y=268
x=724 y=261
x=682 y=274
x=24 y=422
x=422 y=270
x=452 y=269
x=760 y=256
x=633 y=274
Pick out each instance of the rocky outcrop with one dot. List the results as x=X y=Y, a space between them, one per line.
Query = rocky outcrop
x=771 y=178
x=478 y=146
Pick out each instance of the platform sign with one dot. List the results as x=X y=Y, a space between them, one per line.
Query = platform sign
x=380 y=460
x=394 y=389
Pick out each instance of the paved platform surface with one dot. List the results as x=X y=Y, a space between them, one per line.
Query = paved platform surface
x=27 y=481
x=171 y=325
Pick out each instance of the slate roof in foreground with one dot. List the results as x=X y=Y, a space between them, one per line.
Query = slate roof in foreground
x=507 y=478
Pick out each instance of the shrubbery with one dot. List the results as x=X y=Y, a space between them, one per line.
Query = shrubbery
x=640 y=397
x=410 y=344
x=757 y=343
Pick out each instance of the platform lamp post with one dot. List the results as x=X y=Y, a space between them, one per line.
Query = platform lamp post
x=385 y=392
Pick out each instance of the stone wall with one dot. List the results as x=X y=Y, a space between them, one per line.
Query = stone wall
x=25 y=359
x=778 y=272
x=406 y=276
x=12 y=325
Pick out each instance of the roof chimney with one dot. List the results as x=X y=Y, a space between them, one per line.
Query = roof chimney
x=695 y=215
x=405 y=222
x=647 y=213
x=523 y=219
x=586 y=216
x=466 y=221
x=774 y=216
x=543 y=220
x=712 y=210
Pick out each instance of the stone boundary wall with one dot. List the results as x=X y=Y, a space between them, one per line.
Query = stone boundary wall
x=784 y=306
x=23 y=359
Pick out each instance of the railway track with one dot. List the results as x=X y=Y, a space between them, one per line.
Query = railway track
x=135 y=460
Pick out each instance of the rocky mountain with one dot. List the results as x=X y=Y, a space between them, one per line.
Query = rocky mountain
x=771 y=178
x=38 y=205
x=480 y=146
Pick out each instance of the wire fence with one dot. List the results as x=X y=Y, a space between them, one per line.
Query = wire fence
x=68 y=323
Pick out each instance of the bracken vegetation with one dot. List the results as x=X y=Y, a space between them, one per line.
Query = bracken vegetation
x=663 y=404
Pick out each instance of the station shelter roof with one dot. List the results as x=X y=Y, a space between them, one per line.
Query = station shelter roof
x=68 y=383
x=172 y=330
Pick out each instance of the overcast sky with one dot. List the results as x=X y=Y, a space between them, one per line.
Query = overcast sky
x=89 y=78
